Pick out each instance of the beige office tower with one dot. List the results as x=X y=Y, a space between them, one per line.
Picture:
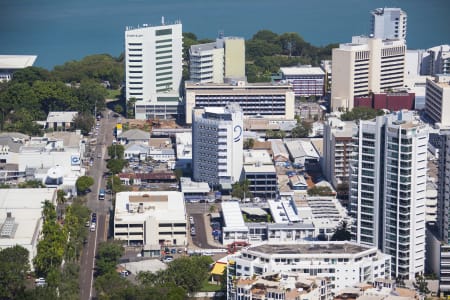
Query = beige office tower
x=366 y=65
x=234 y=57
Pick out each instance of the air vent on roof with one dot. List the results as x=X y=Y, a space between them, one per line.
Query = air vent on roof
x=8 y=227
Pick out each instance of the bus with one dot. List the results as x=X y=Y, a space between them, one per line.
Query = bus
x=101 y=194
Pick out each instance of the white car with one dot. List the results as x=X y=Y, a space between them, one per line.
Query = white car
x=167 y=259
x=40 y=281
x=92 y=227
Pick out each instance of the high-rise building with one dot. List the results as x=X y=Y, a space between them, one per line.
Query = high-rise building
x=388 y=177
x=234 y=57
x=217 y=145
x=437 y=99
x=153 y=68
x=436 y=61
x=206 y=63
x=388 y=23
x=337 y=150
x=363 y=66
x=213 y=62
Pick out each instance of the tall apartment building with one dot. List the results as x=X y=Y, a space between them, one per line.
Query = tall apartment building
x=153 y=68
x=206 y=63
x=213 y=62
x=337 y=150
x=366 y=65
x=217 y=145
x=436 y=60
x=273 y=101
x=437 y=99
x=388 y=23
x=234 y=48
x=388 y=176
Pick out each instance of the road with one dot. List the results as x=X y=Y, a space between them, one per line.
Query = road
x=102 y=208
x=203 y=237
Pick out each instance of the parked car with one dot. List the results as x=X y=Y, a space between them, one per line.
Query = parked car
x=88 y=223
x=40 y=281
x=167 y=259
x=92 y=229
x=193 y=231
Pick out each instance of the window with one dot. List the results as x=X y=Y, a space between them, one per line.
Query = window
x=163 y=31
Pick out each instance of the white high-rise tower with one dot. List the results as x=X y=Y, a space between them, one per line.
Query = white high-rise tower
x=153 y=68
x=388 y=177
x=388 y=23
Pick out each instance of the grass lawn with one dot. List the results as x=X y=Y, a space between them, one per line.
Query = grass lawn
x=113 y=94
x=208 y=287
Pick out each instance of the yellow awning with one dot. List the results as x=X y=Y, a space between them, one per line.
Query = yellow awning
x=218 y=269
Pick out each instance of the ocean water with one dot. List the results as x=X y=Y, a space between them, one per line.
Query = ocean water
x=58 y=31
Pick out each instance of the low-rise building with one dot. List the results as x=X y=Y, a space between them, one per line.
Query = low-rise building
x=194 y=191
x=184 y=150
x=134 y=136
x=11 y=63
x=306 y=80
x=150 y=218
x=344 y=263
x=303 y=153
x=60 y=120
x=261 y=174
x=21 y=217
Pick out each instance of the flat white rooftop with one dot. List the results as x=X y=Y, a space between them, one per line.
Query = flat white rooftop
x=61 y=116
x=305 y=70
x=16 y=61
x=232 y=214
x=25 y=206
x=164 y=205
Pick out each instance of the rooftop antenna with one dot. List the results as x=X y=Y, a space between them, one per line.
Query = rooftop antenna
x=162 y=20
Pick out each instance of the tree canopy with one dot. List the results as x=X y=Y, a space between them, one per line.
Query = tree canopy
x=361 y=113
x=14 y=265
x=84 y=183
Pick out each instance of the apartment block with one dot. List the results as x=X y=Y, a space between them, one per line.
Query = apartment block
x=388 y=177
x=437 y=100
x=337 y=150
x=344 y=263
x=388 y=23
x=366 y=65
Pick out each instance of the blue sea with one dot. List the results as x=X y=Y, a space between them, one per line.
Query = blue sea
x=62 y=30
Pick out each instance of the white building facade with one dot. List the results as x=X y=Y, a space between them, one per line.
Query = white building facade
x=366 y=65
x=150 y=218
x=388 y=23
x=206 y=63
x=388 y=189
x=153 y=68
x=345 y=263
x=217 y=144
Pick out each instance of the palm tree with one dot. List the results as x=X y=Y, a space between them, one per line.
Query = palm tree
x=60 y=201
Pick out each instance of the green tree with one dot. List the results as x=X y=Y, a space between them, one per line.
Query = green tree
x=84 y=121
x=91 y=95
x=118 y=108
x=84 y=183
x=249 y=143
x=14 y=265
x=116 y=165
x=341 y=233
x=116 y=151
x=241 y=189
x=320 y=191
x=361 y=113
x=31 y=184
x=31 y=74
x=301 y=130
x=108 y=255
